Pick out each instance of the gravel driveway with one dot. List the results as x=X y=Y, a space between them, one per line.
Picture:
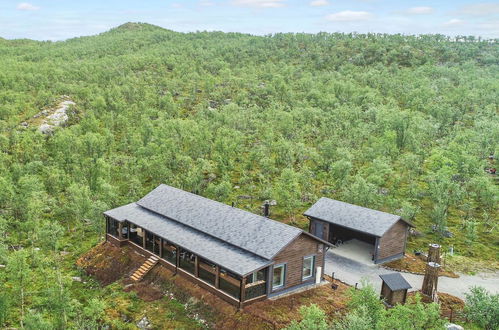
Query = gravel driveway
x=351 y=272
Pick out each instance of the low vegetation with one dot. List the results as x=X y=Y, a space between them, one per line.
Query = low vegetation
x=403 y=124
x=367 y=312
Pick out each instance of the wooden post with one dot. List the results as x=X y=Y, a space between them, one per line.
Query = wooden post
x=242 y=293
x=430 y=280
x=120 y=231
x=434 y=253
x=107 y=225
x=177 y=262
x=160 y=247
x=128 y=230
x=217 y=277
x=144 y=234
x=196 y=266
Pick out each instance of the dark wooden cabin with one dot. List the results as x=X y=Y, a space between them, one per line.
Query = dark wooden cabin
x=240 y=256
x=336 y=221
x=394 y=289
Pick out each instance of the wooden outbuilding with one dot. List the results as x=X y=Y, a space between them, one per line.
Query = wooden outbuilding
x=240 y=256
x=338 y=222
x=394 y=289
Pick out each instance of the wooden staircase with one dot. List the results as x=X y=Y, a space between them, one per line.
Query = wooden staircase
x=144 y=269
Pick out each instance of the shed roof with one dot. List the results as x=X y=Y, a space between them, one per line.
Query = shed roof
x=226 y=255
x=351 y=216
x=395 y=281
x=257 y=234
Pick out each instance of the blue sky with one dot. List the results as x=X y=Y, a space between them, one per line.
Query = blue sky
x=62 y=19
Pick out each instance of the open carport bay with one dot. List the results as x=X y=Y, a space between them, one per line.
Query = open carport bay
x=354 y=249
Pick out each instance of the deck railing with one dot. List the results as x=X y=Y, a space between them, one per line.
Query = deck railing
x=256 y=289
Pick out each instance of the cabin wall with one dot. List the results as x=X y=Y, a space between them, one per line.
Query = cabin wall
x=292 y=256
x=392 y=243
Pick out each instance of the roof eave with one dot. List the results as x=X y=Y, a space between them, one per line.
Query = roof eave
x=336 y=224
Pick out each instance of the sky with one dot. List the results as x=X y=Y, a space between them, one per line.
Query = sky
x=63 y=19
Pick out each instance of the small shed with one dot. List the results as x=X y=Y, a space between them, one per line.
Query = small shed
x=337 y=222
x=394 y=288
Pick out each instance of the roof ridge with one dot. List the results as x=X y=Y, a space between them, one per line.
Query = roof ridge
x=200 y=231
x=251 y=232
x=359 y=206
x=222 y=204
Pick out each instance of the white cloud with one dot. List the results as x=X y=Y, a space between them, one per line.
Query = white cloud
x=349 y=16
x=205 y=3
x=26 y=6
x=260 y=3
x=176 y=5
x=480 y=9
x=419 y=10
x=454 y=22
x=318 y=3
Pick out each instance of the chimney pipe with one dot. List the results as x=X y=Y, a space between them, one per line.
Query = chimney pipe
x=266 y=209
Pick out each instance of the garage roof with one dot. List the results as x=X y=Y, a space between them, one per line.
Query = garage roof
x=354 y=217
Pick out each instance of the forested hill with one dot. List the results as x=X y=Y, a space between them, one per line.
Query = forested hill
x=404 y=124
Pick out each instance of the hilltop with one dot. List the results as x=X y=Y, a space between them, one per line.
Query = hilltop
x=402 y=124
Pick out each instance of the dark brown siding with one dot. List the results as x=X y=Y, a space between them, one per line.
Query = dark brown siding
x=385 y=292
x=398 y=297
x=293 y=254
x=325 y=227
x=393 y=241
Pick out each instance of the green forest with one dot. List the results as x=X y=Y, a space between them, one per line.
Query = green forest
x=404 y=124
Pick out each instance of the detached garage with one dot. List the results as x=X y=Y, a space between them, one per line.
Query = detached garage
x=338 y=222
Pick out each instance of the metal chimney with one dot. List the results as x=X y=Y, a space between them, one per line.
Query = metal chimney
x=266 y=209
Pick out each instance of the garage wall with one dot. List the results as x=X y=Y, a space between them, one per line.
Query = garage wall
x=314 y=223
x=392 y=243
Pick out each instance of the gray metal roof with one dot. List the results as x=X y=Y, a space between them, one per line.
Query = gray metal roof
x=395 y=281
x=224 y=254
x=352 y=216
x=257 y=234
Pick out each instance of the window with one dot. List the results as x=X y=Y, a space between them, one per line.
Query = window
x=278 y=276
x=308 y=267
x=256 y=276
x=112 y=227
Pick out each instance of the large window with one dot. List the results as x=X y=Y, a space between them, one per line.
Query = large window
x=169 y=252
x=308 y=267
x=187 y=260
x=278 y=276
x=230 y=283
x=256 y=277
x=112 y=227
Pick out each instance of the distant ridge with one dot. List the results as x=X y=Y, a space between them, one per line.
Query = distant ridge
x=135 y=26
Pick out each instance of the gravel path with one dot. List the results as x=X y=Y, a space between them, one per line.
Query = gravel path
x=351 y=272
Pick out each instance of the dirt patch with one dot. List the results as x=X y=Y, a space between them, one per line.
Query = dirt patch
x=108 y=263
x=145 y=291
x=451 y=307
x=415 y=264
